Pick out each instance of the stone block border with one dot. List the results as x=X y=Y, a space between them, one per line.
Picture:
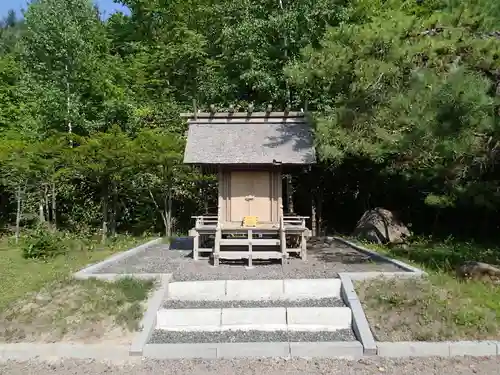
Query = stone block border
x=27 y=351
x=348 y=350
x=360 y=324
x=148 y=321
x=409 y=271
x=438 y=349
x=115 y=258
x=367 y=345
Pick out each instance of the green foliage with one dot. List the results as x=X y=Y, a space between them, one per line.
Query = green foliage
x=134 y=290
x=41 y=243
x=403 y=96
x=411 y=88
x=441 y=201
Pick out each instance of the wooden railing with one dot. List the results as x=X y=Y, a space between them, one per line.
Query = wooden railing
x=204 y=221
x=295 y=221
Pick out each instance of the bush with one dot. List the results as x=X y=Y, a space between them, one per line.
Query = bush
x=42 y=244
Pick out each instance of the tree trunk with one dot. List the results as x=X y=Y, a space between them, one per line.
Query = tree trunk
x=114 y=209
x=46 y=201
x=319 y=212
x=314 y=228
x=68 y=104
x=168 y=214
x=41 y=214
x=104 y=214
x=54 y=206
x=18 y=212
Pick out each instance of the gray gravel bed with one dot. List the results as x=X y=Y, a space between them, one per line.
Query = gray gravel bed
x=309 y=302
x=296 y=366
x=325 y=260
x=168 y=337
x=303 y=336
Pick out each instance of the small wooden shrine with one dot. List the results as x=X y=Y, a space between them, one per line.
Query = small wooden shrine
x=250 y=152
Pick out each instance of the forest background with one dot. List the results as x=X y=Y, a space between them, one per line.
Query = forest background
x=404 y=96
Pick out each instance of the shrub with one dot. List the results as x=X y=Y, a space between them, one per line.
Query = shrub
x=40 y=243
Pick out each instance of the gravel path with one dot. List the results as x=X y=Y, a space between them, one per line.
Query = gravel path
x=307 y=302
x=371 y=366
x=325 y=260
x=164 y=337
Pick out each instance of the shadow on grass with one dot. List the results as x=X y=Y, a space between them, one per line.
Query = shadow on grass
x=446 y=255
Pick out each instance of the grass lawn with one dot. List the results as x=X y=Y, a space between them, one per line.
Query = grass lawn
x=77 y=311
x=438 y=307
x=19 y=276
x=39 y=301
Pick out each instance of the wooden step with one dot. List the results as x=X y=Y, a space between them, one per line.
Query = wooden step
x=235 y=255
x=246 y=242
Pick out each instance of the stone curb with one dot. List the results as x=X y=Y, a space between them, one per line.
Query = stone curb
x=117 y=276
x=398 y=263
x=378 y=274
x=116 y=258
x=438 y=349
x=349 y=349
x=27 y=351
x=148 y=321
x=340 y=349
x=360 y=323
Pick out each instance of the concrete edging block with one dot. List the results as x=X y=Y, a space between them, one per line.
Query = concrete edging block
x=474 y=348
x=347 y=349
x=413 y=349
x=148 y=321
x=254 y=289
x=377 y=274
x=189 y=320
x=207 y=290
x=360 y=324
x=311 y=288
x=396 y=262
x=99 y=352
x=180 y=351
x=27 y=351
x=117 y=257
x=118 y=276
x=253 y=350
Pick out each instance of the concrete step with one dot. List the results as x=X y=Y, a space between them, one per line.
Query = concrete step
x=254 y=290
x=315 y=319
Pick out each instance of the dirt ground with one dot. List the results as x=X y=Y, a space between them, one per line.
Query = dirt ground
x=88 y=311
x=365 y=366
x=438 y=308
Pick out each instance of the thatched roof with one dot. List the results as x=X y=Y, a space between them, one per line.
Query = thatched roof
x=249 y=138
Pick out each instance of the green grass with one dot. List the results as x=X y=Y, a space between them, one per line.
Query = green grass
x=440 y=307
x=20 y=276
x=442 y=255
x=77 y=310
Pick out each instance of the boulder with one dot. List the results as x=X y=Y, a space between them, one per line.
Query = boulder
x=381 y=226
x=478 y=271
